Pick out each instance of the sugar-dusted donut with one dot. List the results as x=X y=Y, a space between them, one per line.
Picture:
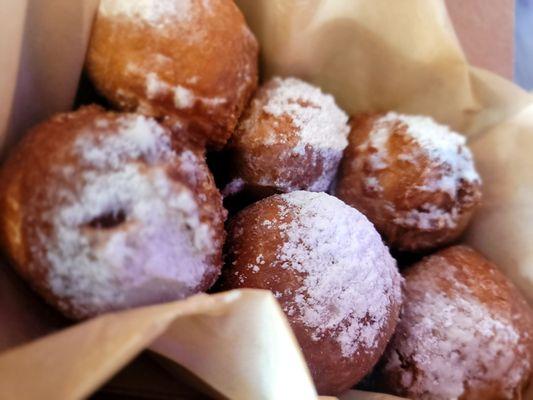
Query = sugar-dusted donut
x=465 y=332
x=291 y=137
x=331 y=273
x=413 y=178
x=101 y=211
x=192 y=61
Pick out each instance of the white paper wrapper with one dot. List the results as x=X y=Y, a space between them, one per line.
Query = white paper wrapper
x=372 y=55
x=221 y=338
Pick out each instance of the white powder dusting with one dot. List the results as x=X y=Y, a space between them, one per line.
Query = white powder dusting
x=441 y=145
x=153 y=12
x=213 y=101
x=139 y=136
x=373 y=184
x=154 y=86
x=158 y=247
x=268 y=223
x=233 y=187
x=447 y=152
x=446 y=342
x=316 y=133
x=186 y=98
x=350 y=279
x=254 y=268
x=429 y=217
x=184 y=18
x=182 y=96
x=320 y=122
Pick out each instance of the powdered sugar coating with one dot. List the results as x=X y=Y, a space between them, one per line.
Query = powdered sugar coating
x=156 y=248
x=441 y=145
x=154 y=12
x=449 y=342
x=183 y=97
x=306 y=128
x=188 y=61
x=447 y=153
x=318 y=120
x=349 y=275
x=233 y=187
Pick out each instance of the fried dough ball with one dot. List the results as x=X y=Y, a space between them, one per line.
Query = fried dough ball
x=193 y=61
x=291 y=137
x=331 y=273
x=413 y=178
x=465 y=332
x=101 y=212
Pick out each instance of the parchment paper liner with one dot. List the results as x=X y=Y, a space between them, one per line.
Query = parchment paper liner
x=372 y=55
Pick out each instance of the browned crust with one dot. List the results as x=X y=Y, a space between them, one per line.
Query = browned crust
x=399 y=182
x=221 y=64
x=488 y=286
x=248 y=238
x=30 y=173
x=275 y=167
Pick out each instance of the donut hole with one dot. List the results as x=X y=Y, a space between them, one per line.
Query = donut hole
x=413 y=178
x=108 y=220
x=489 y=359
x=272 y=245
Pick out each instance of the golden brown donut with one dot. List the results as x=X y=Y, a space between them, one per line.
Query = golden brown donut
x=331 y=274
x=291 y=137
x=194 y=61
x=465 y=332
x=413 y=178
x=101 y=211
